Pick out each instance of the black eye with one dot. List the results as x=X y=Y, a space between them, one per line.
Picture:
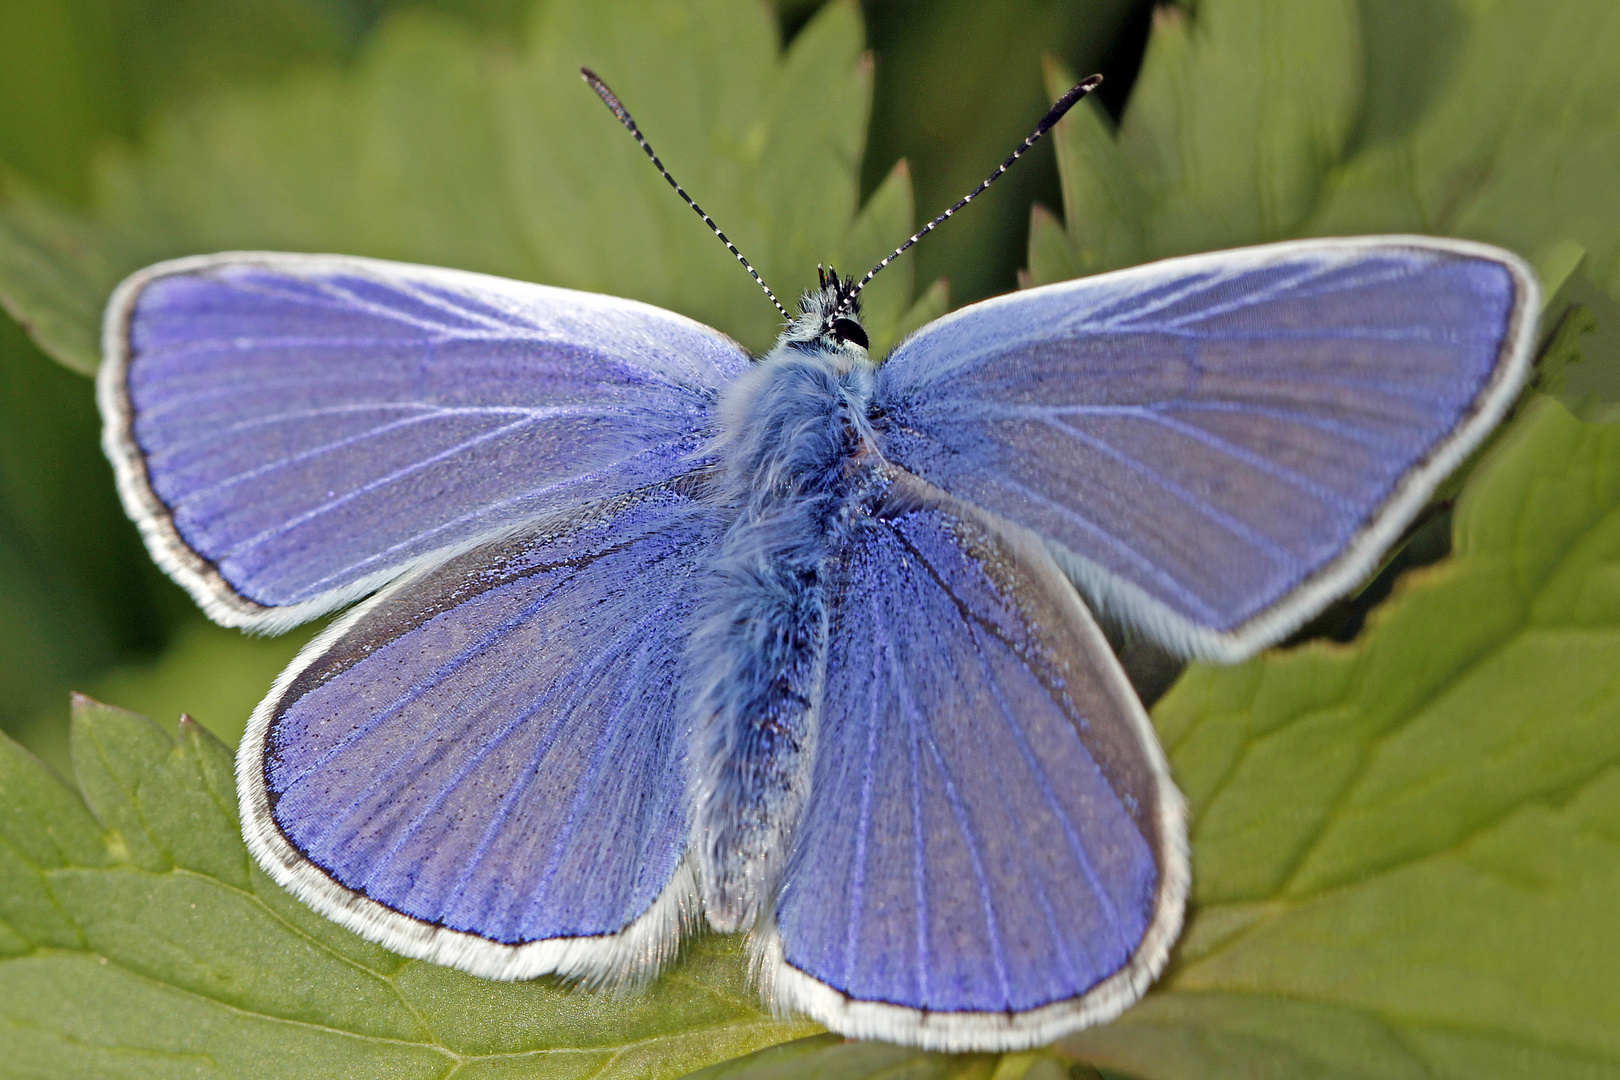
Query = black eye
x=849 y=330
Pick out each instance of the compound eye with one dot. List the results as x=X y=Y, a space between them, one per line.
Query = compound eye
x=851 y=331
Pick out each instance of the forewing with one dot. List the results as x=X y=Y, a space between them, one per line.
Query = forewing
x=483 y=766
x=290 y=431
x=1218 y=445
x=993 y=853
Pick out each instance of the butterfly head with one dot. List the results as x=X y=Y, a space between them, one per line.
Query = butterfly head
x=829 y=321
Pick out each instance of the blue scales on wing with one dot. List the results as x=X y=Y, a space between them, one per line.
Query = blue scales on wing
x=485 y=764
x=1217 y=445
x=291 y=431
x=992 y=851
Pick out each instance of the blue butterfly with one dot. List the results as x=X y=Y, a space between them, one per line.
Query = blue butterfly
x=664 y=633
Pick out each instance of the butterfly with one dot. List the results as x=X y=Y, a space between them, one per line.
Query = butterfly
x=659 y=633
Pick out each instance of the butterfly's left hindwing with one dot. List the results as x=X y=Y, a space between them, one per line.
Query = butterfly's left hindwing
x=483 y=766
x=993 y=853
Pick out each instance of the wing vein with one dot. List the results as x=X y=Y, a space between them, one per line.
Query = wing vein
x=482 y=510
x=1128 y=553
x=1030 y=865
x=593 y=770
x=368 y=487
x=417 y=689
x=914 y=718
x=427 y=410
x=857 y=881
x=1210 y=511
x=492 y=743
x=1152 y=415
x=920 y=869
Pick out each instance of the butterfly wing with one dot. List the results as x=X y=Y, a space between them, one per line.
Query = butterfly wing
x=483 y=765
x=1217 y=445
x=992 y=853
x=290 y=430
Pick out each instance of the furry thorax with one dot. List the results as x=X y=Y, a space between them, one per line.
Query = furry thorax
x=799 y=466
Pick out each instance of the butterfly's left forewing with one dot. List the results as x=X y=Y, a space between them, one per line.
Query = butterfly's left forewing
x=291 y=431
x=993 y=853
x=483 y=766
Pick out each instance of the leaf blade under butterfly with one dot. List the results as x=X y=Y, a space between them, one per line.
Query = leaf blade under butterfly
x=1402 y=847
x=137 y=939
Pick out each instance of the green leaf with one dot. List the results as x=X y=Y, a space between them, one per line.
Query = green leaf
x=213 y=674
x=830 y=1058
x=58 y=88
x=1257 y=120
x=56 y=270
x=1581 y=363
x=1240 y=109
x=1406 y=850
x=137 y=938
x=442 y=148
x=1104 y=198
x=43 y=827
x=1236 y=115
x=75 y=73
x=77 y=590
x=958 y=84
x=1533 y=169
x=1563 y=350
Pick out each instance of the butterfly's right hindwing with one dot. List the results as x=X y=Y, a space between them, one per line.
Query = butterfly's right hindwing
x=484 y=766
x=993 y=853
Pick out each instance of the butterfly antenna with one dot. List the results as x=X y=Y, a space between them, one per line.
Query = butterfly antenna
x=1053 y=115
x=611 y=100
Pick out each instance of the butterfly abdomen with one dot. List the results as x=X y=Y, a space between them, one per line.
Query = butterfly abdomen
x=794 y=440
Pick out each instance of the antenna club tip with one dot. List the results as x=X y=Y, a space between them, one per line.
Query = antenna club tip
x=1080 y=90
x=609 y=98
x=1067 y=102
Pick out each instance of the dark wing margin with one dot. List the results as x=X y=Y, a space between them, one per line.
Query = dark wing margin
x=291 y=431
x=993 y=853
x=483 y=766
x=1216 y=446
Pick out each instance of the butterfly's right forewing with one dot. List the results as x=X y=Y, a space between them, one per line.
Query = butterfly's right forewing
x=1218 y=445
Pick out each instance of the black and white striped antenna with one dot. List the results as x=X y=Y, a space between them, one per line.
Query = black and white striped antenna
x=1053 y=115
x=611 y=100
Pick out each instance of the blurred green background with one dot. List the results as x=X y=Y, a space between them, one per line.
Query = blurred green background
x=81 y=605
